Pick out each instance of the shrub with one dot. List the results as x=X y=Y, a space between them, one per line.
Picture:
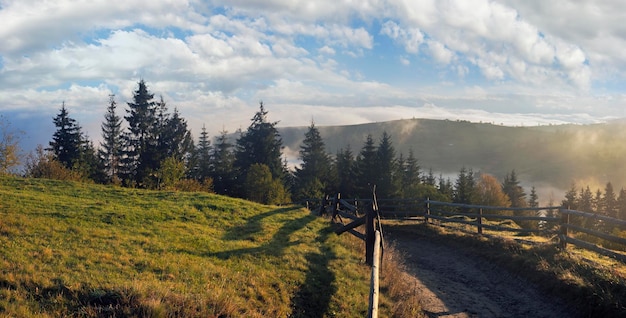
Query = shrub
x=42 y=164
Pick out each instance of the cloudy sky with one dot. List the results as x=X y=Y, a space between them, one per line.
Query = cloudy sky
x=516 y=62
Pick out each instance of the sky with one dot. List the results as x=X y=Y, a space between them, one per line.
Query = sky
x=334 y=62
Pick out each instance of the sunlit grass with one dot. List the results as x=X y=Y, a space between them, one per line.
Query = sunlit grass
x=70 y=249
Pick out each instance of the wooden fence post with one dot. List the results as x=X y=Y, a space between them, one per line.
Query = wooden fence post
x=563 y=230
x=336 y=205
x=323 y=204
x=427 y=210
x=369 y=235
x=374 y=285
x=480 y=221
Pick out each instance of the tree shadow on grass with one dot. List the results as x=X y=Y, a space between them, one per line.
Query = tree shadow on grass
x=313 y=296
x=275 y=246
x=252 y=226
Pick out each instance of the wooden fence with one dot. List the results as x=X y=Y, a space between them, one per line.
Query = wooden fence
x=535 y=220
x=360 y=214
x=541 y=221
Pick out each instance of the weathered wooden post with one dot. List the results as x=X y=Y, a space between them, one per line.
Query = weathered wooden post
x=427 y=210
x=563 y=230
x=323 y=204
x=336 y=205
x=480 y=221
x=374 y=284
x=370 y=217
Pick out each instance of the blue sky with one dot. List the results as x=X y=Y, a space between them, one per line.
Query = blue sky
x=515 y=62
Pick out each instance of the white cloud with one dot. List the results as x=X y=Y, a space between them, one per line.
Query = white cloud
x=216 y=59
x=490 y=35
x=411 y=38
x=440 y=53
x=327 y=50
x=39 y=25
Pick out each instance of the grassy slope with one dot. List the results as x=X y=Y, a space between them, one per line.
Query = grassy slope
x=87 y=250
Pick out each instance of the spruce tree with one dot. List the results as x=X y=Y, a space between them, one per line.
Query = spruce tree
x=385 y=174
x=222 y=165
x=430 y=179
x=585 y=200
x=314 y=176
x=90 y=164
x=411 y=173
x=161 y=142
x=141 y=153
x=67 y=141
x=464 y=190
x=533 y=199
x=446 y=188
x=260 y=144
x=571 y=199
x=345 y=170
x=621 y=205
x=609 y=201
x=112 y=145
x=175 y=139
x=201 y=166
x=366 y=168
x=516 y=193
x=597 y=208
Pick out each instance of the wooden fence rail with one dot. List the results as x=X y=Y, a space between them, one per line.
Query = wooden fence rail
x=475 y=215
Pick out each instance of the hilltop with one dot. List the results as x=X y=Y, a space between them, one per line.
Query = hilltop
x=552 y=156
x=73 y=249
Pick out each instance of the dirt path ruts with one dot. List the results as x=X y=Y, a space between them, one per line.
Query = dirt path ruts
x=454 y=284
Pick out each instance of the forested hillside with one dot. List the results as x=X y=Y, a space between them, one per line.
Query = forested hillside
x=152 y=147
x=551 y=155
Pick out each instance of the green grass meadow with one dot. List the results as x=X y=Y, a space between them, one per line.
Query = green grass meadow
x=72 y=249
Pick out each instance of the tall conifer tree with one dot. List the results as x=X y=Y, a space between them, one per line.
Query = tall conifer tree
x=112 y=145
x=201 y=166
x=609 y=201
x=222 y=165
x=386 y=171
x=67 y=141
x=260 y=144
x=516 y=193
x=366 y=168
x=313 y=177
x=141 y=155
x=621 y=203
x=464 y=190
x=533 y=199
x=412 y=172
x=345 y=171
x=175 y=139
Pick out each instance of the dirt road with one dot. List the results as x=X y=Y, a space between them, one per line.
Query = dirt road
x=455 y=284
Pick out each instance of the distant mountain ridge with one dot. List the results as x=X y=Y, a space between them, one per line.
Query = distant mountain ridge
x=556 y=155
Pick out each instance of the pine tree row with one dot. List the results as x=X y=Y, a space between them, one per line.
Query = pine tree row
x=156 y=151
